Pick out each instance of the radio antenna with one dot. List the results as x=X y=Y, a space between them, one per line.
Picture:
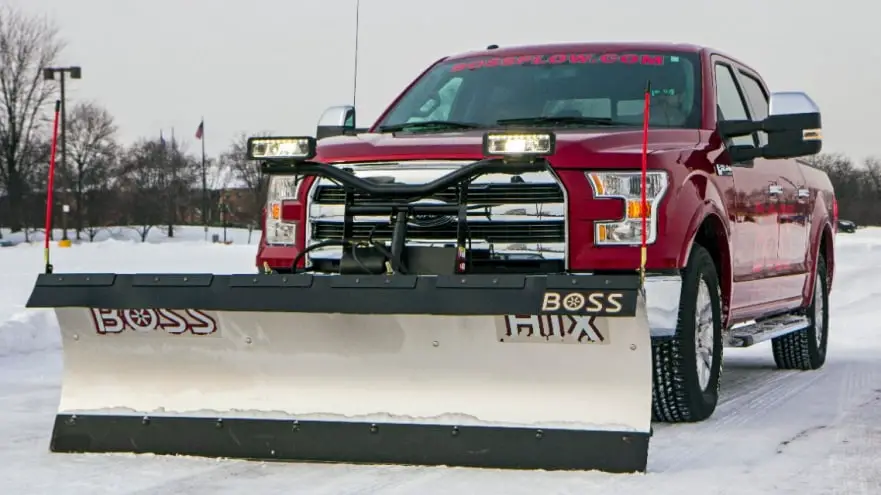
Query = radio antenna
x=355 y=75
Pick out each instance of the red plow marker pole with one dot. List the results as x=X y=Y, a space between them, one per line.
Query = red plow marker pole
x=50 y=187
x=644 y=183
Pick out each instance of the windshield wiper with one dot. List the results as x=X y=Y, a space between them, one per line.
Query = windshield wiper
x=428 y=124
x=560 y=120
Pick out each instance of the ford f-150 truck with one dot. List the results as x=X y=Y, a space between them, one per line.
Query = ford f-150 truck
x=740 y=231
x=532 y=253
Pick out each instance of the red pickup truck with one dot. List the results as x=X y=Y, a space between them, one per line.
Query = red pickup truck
x=740 y=239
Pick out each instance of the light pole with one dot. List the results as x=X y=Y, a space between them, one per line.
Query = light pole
x=49 y=75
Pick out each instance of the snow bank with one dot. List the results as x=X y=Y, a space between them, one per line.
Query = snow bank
x=23 y=330
x=156 y=235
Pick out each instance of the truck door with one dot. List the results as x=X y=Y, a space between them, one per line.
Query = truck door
x=793 y=199
x=757 y=185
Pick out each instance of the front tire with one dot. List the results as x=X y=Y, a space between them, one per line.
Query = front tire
x=806 y=349
x=687 y=367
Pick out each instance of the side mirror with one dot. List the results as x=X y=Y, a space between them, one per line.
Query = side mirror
x=336 y=121
x=793 y=125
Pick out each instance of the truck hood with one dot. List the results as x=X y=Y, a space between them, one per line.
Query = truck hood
x=468 y=145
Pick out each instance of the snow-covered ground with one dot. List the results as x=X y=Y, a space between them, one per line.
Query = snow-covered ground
x=774 y=432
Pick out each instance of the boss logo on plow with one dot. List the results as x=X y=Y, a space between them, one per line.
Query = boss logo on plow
x=175 y=322
x=599 y=303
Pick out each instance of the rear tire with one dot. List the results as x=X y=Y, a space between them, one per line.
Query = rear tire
x=806 y=349
x=688 y=366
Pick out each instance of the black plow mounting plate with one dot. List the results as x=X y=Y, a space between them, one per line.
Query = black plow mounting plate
x=355 y=442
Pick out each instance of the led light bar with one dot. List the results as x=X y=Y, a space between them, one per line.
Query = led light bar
x=522 y=144
x=281 y=148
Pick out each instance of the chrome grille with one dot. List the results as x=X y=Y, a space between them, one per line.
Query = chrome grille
x=516 y=193
x=493 y=232
x=522 y=214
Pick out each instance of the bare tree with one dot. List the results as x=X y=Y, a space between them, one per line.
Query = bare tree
x=27 y=44
x=143 y=183
x=183 y=172
x=246 y=174
x=91 y=148
x=857 y=186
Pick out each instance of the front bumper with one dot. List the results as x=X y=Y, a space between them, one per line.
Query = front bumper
x=662 y=297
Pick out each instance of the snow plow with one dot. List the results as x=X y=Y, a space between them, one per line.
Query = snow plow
x=407 y=354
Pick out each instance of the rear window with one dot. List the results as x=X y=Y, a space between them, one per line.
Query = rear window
x=609 y=85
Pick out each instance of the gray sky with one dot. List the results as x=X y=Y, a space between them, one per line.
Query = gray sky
x=275 y=65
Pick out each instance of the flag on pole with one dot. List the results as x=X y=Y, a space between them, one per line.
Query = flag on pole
x=200 y=130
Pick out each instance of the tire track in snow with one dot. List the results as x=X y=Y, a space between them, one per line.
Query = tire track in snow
x=678 y=446
x=774 y=412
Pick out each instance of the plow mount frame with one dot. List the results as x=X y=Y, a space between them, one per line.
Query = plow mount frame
x=396 y=200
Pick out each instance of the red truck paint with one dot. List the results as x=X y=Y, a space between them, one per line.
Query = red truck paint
x=766 y=249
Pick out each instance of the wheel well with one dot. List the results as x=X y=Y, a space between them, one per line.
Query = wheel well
x=711 y=235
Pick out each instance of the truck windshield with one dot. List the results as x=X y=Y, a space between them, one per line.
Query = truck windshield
x=559 y=89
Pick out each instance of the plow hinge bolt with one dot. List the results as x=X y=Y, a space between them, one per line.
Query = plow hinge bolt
x=539 y=434
x=88 y=278
x=435 y=343
x=247 y=340
x=145 y=420
x=632 y=347
x=495 y=281
x=464 y=280
x=71 y=420
x=186 y=279
x=284 y=280
x=76 y=336
x=254 y=280
x=60 y=279
x=296 y=426
x=574 y=281
x=155 y=279
x=218 y=423
x=455 y=430
x=357 y=280
x=374 y=428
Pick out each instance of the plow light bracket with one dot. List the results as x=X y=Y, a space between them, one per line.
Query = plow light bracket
x=519 y=144
x=286 y=149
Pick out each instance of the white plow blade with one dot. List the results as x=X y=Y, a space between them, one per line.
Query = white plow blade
x=458 y=370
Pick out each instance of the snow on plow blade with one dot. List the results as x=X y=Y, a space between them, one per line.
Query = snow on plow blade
x=507 y=371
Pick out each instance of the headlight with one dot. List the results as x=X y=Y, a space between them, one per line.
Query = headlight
x=520 y=144
x=627 y=186
x=278 y=231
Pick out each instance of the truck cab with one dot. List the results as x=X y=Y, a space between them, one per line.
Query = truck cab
x=738 y=231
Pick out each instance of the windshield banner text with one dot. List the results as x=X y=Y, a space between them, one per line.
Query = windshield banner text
x=562 y=58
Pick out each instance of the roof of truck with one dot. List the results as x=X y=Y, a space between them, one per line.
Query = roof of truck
x=618 y=46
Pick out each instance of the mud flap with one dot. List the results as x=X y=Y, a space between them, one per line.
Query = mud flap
x=549 y=372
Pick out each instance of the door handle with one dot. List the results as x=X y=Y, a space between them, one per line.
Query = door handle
x=804 y=192
x=775 y=189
